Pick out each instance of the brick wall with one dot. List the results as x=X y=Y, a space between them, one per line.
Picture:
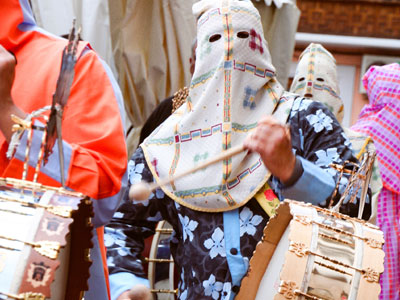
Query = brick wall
x=370 y=18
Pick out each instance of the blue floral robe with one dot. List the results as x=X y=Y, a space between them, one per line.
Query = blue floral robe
x=197 y=243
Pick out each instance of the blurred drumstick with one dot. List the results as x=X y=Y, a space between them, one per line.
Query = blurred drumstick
x=142 y=190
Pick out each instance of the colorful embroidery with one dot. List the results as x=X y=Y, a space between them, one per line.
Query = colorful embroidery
x=255 y=41
x=251 y=68
x=249 y=98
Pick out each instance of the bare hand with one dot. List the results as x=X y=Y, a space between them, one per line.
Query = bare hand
x=138 y=292
x=272 y=141
x=7 y=106
x=7 y=73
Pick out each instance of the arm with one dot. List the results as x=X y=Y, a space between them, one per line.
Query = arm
x=7 y=106
x=321 y=141
x=316 y=140
x=130 y=225
x=93 y=137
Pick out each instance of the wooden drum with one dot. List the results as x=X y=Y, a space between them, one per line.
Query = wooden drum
x=45 y=235
x=312 y=253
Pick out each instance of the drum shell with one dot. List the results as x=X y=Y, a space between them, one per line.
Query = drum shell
x=25 y=270
x=294 y=253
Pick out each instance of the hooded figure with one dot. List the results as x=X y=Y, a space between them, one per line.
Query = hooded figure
x=233 y=86
x=316 y=78
x=218 y=213
x=380 y=119
x=94 y=147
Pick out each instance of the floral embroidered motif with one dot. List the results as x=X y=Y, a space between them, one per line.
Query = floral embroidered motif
x=249 y=98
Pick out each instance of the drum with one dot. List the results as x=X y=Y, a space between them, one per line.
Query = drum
x=161 y=268
x=45 y=236
x=313 y=253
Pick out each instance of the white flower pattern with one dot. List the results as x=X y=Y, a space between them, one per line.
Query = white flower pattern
x=116 y=237
x=183 y=295
x=216 y=244
x=248 y=222
x=299 y=105
x=212 y=288
x=320 y=121
x=226 y=291
x=110 y=261
x=188 y=226
x=347 y=142
x=325 y=157
x=135 y=172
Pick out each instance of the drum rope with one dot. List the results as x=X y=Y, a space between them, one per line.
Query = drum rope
x=61 y=211
x=25 y=296
x=300 y=250
x=371 y=242
x=49 y=249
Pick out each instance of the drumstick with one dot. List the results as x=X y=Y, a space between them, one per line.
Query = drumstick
x=142 y=190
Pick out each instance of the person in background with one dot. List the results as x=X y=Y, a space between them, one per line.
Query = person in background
x=380 y=119
x=93 y=134
x=218 y=214
x=157 y=117
x=316 y=78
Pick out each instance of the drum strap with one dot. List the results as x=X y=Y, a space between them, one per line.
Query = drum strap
x=237 y=265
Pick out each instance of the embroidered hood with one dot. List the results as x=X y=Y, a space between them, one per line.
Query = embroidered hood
x=316 y=78
x=233 y=85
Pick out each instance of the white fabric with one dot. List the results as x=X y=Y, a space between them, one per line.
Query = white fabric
x=278 y=3
x=232 y=87
x=316 y=78
x=152 y=41
x=91 y=15
x=280 y=26
x=152 y=49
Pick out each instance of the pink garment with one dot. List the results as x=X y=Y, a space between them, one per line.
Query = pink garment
x=381 y=120
x=388 y=219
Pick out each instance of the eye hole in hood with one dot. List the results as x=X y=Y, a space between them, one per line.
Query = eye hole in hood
x=242 y=34
x=214 y=38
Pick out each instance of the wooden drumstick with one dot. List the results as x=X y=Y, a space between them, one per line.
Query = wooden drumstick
x=141 y=191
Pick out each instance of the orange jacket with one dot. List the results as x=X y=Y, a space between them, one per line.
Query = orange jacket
x=92 y=129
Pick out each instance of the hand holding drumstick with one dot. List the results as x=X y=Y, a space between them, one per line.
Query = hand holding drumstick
x=270 y=139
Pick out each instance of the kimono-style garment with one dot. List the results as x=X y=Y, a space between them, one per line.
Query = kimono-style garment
x=92 y=128
x=212 y=250
x=380 y=120
x=316 y=78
